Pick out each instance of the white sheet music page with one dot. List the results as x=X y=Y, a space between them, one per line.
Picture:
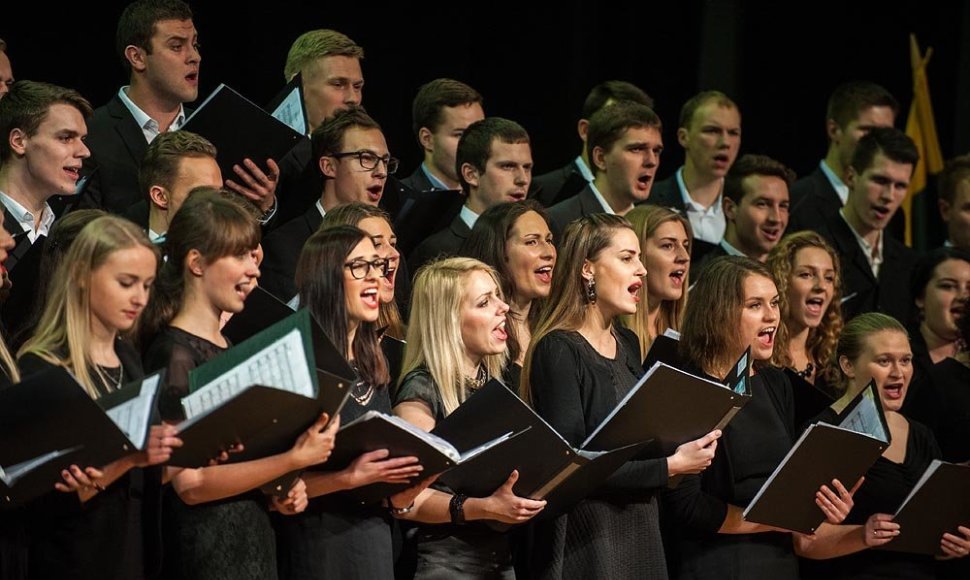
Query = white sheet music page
x=281 y=365
x=133 y=416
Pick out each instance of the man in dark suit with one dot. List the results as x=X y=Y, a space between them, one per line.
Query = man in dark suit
x=41 y=152
x=494 y=166
x=954 y=202
x=440 y=113
x=158 y=46
x=625 y=142
x=353 y=158
x=756 y=204
x=561 y=184
x=710 y=133
x=176 y=163
x=328 y=63
x=876 y=268
x=854 y=108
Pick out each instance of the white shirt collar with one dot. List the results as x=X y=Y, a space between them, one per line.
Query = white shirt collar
x=689 y=202
x=322 y=211
x=731 y=250
x=599 y=197
x=149 y=127
x=837 y=184
x=26 y=219
x=584 y=169
x=873 y=255
x=468 y=216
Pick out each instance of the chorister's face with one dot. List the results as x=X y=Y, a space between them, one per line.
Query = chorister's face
x=120 y=288
x=759 y=317
x=886 y=358
x=483 y=316
x=530 y=256
x=666 y=256
x=331 y=83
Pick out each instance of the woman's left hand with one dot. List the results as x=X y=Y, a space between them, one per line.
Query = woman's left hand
x=296 y=500
x=956 y=546
x=837 y=504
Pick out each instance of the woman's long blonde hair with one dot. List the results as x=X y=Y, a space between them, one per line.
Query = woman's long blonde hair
x=645 y=220
x=434 y=335
x=64 y=329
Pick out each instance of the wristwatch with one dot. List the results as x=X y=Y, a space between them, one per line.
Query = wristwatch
x=395 y=511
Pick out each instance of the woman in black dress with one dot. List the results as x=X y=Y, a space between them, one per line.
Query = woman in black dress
x=456 y=341
x=807 y=272
x=217 y=524
x=735 y=306
x=875 y=347
x=13 y=547
x=104 y=528
x=338 y=277
x=941 y=285
x=514 y=238
x=579 y=367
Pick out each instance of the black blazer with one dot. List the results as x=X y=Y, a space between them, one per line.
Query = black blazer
x=23 y=267
x=580 y=205
x=558 y=185
x=445 y=243
x=861 y=291
x=666 y=193
x=300 y=185
x=117 y=147
x=421 y=210
x=281 y=251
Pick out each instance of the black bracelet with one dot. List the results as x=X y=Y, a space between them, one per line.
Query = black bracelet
x=457 y=508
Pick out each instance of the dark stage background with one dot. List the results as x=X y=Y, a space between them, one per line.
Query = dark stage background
x=535 y=64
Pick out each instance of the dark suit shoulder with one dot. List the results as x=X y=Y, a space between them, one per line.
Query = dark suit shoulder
x=666 y=193
x=282 y=248
x=444 y=243
x=557 y=185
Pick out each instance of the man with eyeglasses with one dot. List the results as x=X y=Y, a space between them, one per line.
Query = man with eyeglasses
x=351 y=154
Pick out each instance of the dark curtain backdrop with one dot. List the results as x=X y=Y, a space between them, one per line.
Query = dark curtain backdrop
x=778 y=60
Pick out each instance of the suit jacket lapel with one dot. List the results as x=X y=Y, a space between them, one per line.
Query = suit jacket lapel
x=128 y=130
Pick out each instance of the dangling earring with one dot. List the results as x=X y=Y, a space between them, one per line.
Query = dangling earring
x=591 y=291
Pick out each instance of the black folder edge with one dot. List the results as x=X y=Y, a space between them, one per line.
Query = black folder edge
x=738 y=378
x=262 y=310
x=869 y=391
x=929 y=499
x=594 y=441
x=872 y=392
x=295 y=84
x=806 y=516
x=88 y=420
x=274 y=140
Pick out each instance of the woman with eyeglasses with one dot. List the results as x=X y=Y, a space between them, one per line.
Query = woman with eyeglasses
x=377 y=223
x=216 y=525
x=339 y=279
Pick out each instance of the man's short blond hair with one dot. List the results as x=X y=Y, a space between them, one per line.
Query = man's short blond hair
x=316 y=44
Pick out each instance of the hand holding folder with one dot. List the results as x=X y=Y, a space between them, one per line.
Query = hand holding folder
x=51 y=423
